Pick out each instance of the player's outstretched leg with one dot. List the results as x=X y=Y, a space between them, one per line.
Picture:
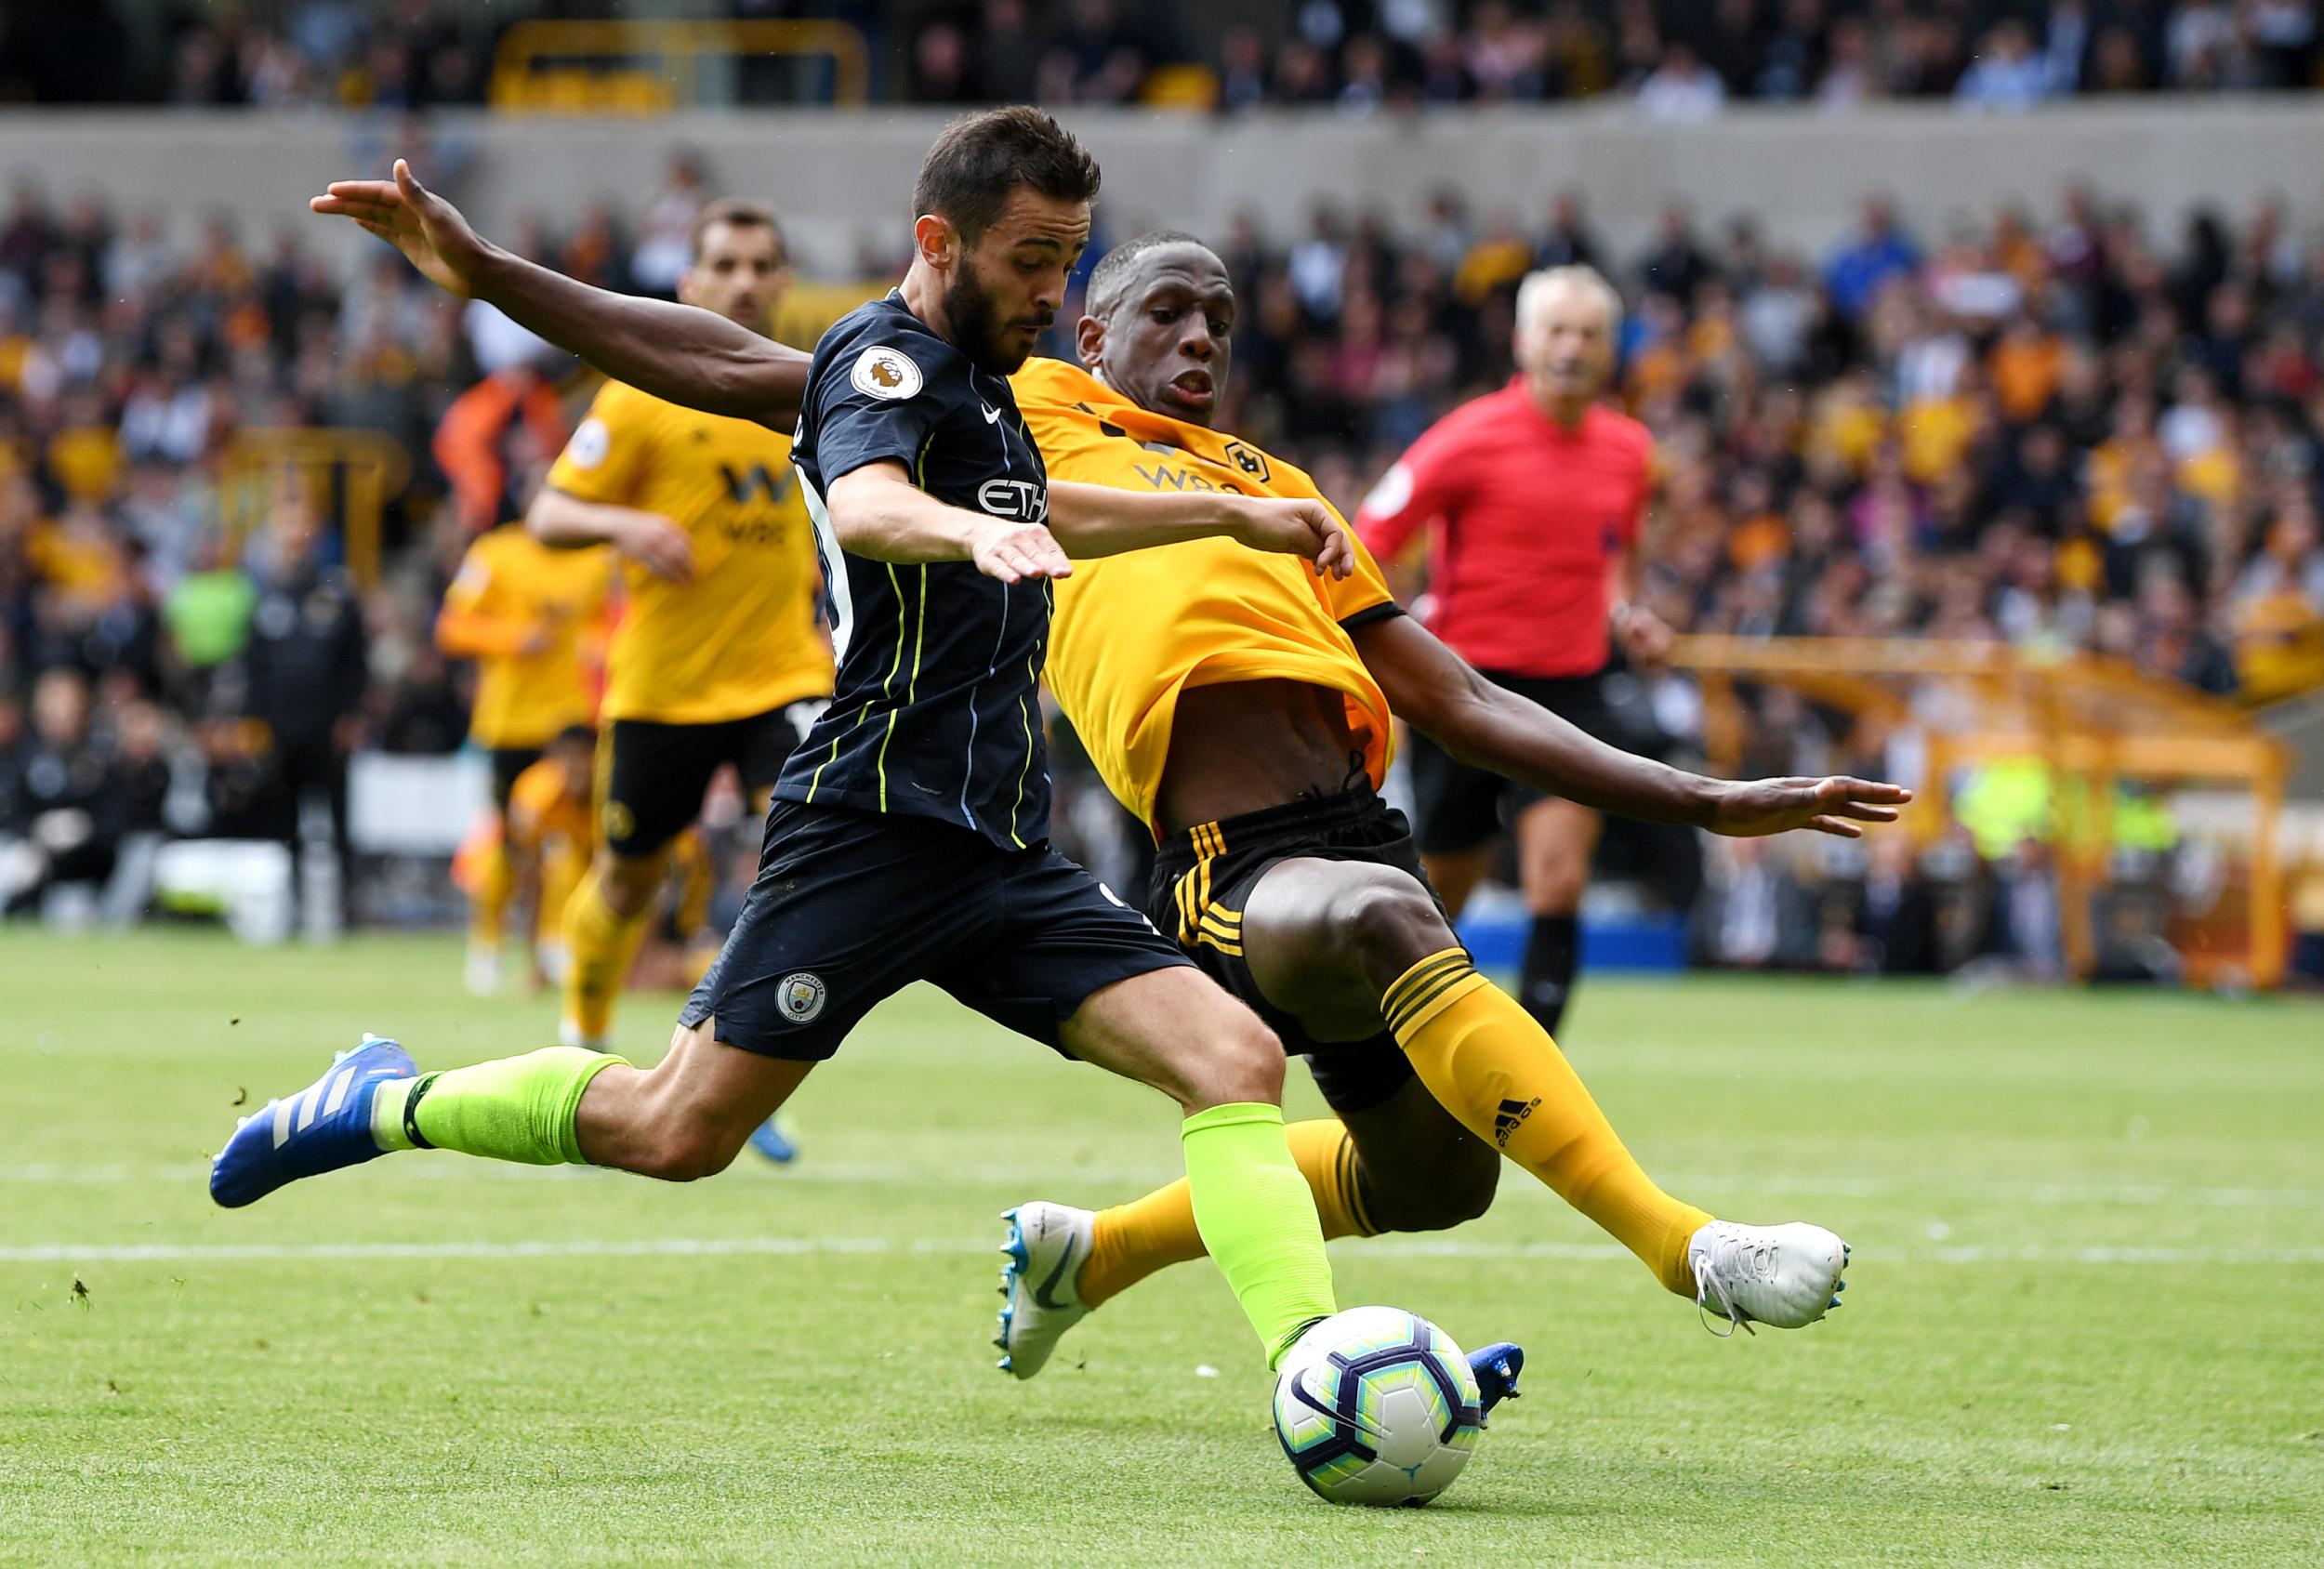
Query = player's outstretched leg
x=1342 y=945
x=1176 y=1031
x=1400 y=1164
x=684 y=1118
x=1493 y=1066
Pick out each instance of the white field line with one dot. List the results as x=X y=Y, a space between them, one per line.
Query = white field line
x=1053 y=1179
x=689 y=1248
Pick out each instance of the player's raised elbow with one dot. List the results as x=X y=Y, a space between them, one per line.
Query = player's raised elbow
x=550 y=517
x=450 y=642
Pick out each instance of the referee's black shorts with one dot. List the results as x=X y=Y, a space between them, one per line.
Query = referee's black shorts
x=1459 y=808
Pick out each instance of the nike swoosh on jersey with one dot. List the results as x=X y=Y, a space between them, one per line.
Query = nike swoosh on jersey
x=991 y=415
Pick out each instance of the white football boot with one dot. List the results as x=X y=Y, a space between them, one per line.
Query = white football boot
x=481 y=972
x=1785 y=1277
x=554 y=961
x=1048 y=1245
x=569 y=1034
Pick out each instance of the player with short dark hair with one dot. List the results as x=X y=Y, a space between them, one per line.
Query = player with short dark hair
x=910 y=836
x=744 y=214
x=1243 y=711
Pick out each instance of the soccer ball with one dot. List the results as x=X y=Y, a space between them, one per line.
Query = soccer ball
x=1377 y=1406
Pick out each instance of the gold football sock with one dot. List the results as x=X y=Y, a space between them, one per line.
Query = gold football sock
x=1131 y=1241
x=488 y=902
x=1493 y=1067
x=599 y=948
x=562 y=871
x=698 y=879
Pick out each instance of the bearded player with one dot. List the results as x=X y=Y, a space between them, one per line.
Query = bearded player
x=1241 y=707
x=910 y=835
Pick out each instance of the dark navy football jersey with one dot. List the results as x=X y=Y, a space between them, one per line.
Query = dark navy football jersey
x=936 y=710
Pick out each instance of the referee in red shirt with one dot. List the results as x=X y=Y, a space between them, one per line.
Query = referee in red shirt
x=1532 y=498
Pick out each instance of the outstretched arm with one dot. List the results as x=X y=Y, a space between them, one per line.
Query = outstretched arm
x=1092 y=521
x=678 y=353
x=879 y=513
x=1437 y=692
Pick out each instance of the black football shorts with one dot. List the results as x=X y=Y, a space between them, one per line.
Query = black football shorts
x=1203 y=877
x=1459 y=806
x=850 y=907
x=650 y=776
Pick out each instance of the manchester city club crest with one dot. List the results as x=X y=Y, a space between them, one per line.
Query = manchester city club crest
x=801 y=996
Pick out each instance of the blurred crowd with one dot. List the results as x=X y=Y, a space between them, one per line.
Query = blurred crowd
x=1685 y=62
x=2059 y=430
x=1675 y=60
x=390 y=54
x=2056 y=431
x=181 y=649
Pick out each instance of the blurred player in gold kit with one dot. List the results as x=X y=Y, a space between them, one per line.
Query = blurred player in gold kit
x=548 y=835
x=527 y=616
x=718 y=659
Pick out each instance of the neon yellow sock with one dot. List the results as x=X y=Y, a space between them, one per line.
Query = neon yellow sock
x=1257 y=1220
x=518 y=1108
x=1131 y=1241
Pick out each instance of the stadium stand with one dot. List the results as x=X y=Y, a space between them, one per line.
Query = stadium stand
x=1677 y=63
x=2052 y=429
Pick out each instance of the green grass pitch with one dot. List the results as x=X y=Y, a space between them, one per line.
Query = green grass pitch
x=2081 y=1324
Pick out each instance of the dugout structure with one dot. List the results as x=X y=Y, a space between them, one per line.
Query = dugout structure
x=2091 y=723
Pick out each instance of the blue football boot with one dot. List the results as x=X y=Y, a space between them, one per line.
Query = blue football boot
x=321 y=1129
x=772 y=1142
x=1497 y=1368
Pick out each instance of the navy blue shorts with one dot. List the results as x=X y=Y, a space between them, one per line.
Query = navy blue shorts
x=853 y=906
